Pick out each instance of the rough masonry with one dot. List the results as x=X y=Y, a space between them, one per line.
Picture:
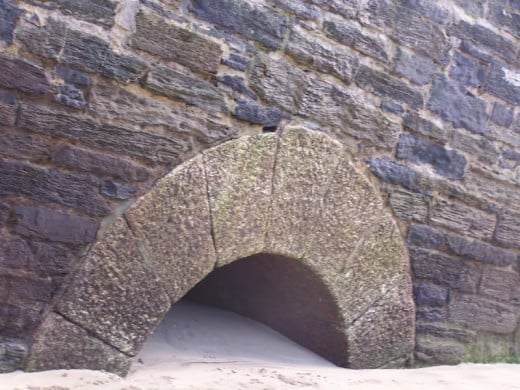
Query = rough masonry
x=99 y=99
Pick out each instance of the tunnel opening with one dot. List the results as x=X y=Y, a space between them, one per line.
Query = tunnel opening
x=282 y=293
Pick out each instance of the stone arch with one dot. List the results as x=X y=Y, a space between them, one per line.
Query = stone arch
x=295 y=194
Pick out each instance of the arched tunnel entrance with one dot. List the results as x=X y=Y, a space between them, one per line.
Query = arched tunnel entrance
x=282 y=293
x=296 y=236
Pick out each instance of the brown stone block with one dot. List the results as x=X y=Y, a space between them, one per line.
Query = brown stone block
x=60 y=344
x=239 y=175
x=172 y=223
x=115 y=294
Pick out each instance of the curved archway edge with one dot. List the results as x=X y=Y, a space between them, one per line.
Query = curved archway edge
x=294 y=193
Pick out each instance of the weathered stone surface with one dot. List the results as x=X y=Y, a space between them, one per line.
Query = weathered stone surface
x=237 y=84
x=307 y=184
x=240 y=176
x=390 y=106
x=430 y=294
x=101 y=12
x=59 y=343
x=15 y=253
x=70 y=96
x=508 y=229
x=19 y=145
x=72 y=76
x=89 y=161
x=8 y=108
x=504 y=15
x=254 y=21
x=12 y=353
x=177 y=208
x=53 y=225
x=409 y=206
x=23 y=75
x=446 y=330
x=298 y=8
x=425 y=236
x=437 y=350
x=465 y=219
x=320 y=54
x=416 y=68
x=483 y=315
x=384 y=85
x=472 y=7
x=480 y=251
x=51 y=185
x=431 y=314
x=252 y=112
x=348 y=34
x=18 y=320
x=157 y=35
x=32 y=291
x=4 y=212
x=151 y=147
x=502 y=115
x=487 y=39
x=278 y=82
x=116 y=190
x=9 y=15
x=52 y=259
x=176 y=85
x=501 y=284
x=454 y=105
x=391 y=172
x=444 y=270
x=504 y=83
x=467 y=71
x=448 y=163
x=480 y=148
x=115 y=294
x=413 y=122
x=236 y=62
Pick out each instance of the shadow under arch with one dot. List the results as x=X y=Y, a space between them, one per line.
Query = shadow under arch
x=295 y=194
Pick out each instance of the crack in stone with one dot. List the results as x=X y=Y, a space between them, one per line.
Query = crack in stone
x=210 y=212
x=271 y=193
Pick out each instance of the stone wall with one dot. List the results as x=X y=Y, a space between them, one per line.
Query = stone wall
x=100 y=98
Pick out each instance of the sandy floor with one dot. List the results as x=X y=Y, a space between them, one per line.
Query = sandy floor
x=197 y=347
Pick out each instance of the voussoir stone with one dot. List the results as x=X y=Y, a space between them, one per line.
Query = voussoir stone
x=173 y=225
x=60 y=344
x=115 y=294
x=239 y=177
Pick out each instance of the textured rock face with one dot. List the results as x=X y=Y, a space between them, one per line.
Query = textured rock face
x=99 y=99
x=259 y=195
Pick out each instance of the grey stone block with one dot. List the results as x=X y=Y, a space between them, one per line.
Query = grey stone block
x=429 y=294
x=413 y=122
x=116 y=190
x=70 y=96
x=392 y=172
x=502 y=115
x=503 y=82
x=508 y=229
x=8 y=109
x=409 y=206
x=252 y=112
x=501 y=284
x=12 y=352
x=416 y=68
x=23 y=75
x=9 y=15
x=467 y=71
x=72 y=76
x=425 y=236
x=480 y=251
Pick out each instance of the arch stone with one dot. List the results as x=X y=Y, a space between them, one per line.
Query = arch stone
x=295 y=193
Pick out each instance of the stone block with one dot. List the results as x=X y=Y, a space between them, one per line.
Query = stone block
x=12 y=352
x=480 y=251
x=409 y=206
x=302 y=10
x=8 y=109
x=18 y=320
x=447 y=271
x=70 y=156
x=236 y=62
x=278 y=82
x=23 y=75
x=69 y=95
x=9 y=15
x=347 y=9
x=237 y=84
x=176 y=208
x=58 y=124
x=487 y=39
x=61 y=344
x=157 y=35
x=348 y=34
x=508 y=229
x=240 y=177
x=31 y=291
x=307 y=183
x=446 y=330
x=481 y=148
x=445 y=162
x=482 y=314
x=414 y=67
x=15 y=253
x=4 y=212
x=52 y=259
x=504 y=83
x=115 y=295
x=254 y=21
x=459 y=217
x=72 y=76
x=431 y=314
x=467 y=71
x=322 y=55
x=437 y=350
x=426 y=8
x=45 y=223
x=22 y=146
x=77 y=191
x=116 y=190
x=252 y=112
x=391 y=172
x=188 y=89
x=392 y=107
x=384 y=85
x=504 y=15
x=502 y=115
x=429 y=294
x=46 y=41
x=474 y=8
x=501 y=284
x=425 y=236
x=413 y=122
x=453 y=104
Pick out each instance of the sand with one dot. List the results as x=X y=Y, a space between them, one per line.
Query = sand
x=196 y=347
